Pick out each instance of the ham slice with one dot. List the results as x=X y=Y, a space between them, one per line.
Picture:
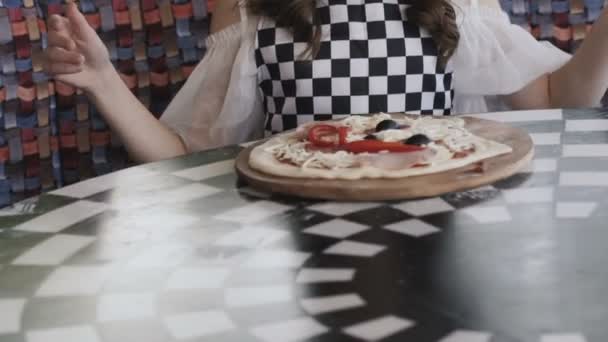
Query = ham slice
x=396 y=161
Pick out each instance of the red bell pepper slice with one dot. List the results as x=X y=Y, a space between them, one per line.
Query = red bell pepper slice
x=327 y=135
x=375 y=146
x=343 y=133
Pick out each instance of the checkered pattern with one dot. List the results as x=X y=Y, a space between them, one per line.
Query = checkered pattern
x=371 y=59
x=50 y=135
x=181 y=250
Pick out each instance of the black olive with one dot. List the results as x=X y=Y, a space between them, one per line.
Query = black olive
x=386 y=124
x=370 y=137
x=418 y=139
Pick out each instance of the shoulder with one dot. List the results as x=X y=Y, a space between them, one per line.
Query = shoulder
x=225 y=14
x=473 y=12
x=490 y=3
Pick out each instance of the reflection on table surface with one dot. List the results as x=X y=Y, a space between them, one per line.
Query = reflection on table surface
x=181 y=250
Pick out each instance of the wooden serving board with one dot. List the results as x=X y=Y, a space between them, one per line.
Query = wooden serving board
x=491 y=170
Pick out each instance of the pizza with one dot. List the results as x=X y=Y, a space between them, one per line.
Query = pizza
x=374 y=146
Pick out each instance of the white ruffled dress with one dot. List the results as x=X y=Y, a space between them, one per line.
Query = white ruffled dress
x=221 y=103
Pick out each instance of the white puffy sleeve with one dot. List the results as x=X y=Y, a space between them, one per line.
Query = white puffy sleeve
x=495 y=57
x=220 y=103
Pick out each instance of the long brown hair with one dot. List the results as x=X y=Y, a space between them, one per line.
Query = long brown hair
x=438 y=17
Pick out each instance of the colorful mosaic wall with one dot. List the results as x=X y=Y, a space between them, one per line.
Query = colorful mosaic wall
x=50 y=135
x=563 y=22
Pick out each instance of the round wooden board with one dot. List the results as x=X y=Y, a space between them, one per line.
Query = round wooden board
x=494 y=169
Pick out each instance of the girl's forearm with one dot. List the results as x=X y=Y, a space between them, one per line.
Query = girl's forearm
x=145 y=138
x=583 y=81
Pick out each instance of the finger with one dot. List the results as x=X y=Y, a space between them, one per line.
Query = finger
x=59 y=55
x=77 y=21
x=58 y=23
x=63 y=41
x=54 y=69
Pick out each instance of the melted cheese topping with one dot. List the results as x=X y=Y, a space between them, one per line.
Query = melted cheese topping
x=294 y=151
x=450 y=131
x=442 y=154
x=392 y=135
x=362 y=123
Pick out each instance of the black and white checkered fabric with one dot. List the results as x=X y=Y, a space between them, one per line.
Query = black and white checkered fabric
x=371 y=60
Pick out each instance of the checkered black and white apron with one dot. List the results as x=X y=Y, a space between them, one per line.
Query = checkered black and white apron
x=371 y=60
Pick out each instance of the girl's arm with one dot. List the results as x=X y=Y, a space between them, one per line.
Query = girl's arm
x=145 y=138
x=78 y=57
x=582 y=82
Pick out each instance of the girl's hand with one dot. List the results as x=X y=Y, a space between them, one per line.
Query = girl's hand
x=75 y=54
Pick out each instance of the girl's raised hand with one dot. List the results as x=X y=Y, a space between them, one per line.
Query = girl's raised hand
x=75 y=54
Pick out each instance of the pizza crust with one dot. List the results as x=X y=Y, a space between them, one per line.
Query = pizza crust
x=262 y=159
